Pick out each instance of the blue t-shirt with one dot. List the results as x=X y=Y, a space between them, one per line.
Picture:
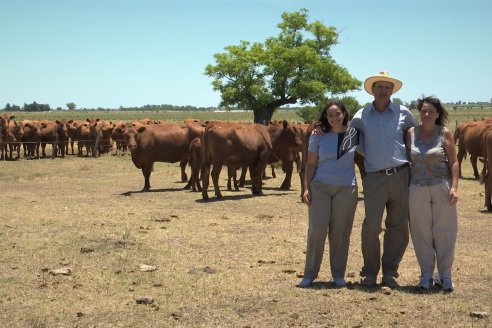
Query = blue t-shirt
x=330 y=170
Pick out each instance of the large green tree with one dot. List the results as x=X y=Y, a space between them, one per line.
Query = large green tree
x=71 y=105
x=293 y=67
x=310 y=114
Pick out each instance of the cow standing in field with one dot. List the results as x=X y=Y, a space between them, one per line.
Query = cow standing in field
x=471 y=141
x=486 y=175
x=84 y=139
x=56 y=134
x=100 y=132
x=72 y=135
x=289 y=154
x=238 y=144
x=286 y=155
x=31 y=140
x=195 y=161
x=4 y=124
x=168 y=143
x=10 y=134
x=118 y=138
x=15 y=131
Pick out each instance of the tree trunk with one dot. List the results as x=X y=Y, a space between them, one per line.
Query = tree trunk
x=263 y=115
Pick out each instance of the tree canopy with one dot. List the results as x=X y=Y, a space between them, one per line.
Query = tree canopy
x=293 y=67
x=71 y=105
x=311 y=114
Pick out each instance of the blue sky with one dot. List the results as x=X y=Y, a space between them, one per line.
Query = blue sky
x=107 y=53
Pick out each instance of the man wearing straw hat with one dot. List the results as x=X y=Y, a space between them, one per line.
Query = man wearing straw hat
x=382 y=125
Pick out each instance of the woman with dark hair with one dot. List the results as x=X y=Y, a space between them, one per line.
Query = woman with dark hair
x=331 y=194
x=433 y=194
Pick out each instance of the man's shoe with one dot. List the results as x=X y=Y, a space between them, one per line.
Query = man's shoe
x=305 y=282
x=390 y=282
x=368 y=281
x=425 y=283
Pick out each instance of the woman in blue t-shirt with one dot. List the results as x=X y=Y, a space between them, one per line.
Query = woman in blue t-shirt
x=331 y=193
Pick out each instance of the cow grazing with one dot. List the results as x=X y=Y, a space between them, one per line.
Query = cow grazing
x=159 y=143
x=238 y=144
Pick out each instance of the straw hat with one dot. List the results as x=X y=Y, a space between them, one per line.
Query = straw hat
x=382 y=76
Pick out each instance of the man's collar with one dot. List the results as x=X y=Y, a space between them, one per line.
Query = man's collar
x=391 y=106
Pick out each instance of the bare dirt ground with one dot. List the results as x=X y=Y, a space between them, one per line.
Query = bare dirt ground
x=232 y=262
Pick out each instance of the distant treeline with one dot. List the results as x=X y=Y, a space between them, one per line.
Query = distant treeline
x=36 y=107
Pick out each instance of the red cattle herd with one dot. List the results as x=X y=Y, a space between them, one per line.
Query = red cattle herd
x=205 y=146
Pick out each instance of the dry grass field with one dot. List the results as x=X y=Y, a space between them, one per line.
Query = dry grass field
x=232 y=262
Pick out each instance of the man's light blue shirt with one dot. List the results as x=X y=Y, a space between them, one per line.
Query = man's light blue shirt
x=383 y=135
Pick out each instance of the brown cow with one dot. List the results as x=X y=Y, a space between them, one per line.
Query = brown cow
x=471 y=141
x=182 y=164
x=146 y=121
x=31 y=139
x=289 y=155
x=84 y=138
x=486 y=175
x=55 y=133
x=195 y=161
x=95 y=136
x=196 y=164
x=15 y=133
x=4 y=137
x=159 y=143
x=286 y=155
x=118 y=138
x=100 y=132
x=238 y=144
x=72 y=134
x=458 y=140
